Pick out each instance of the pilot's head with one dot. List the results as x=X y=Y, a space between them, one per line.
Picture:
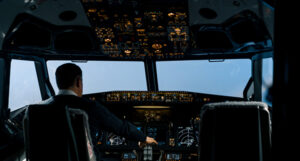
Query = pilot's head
x=69 y=77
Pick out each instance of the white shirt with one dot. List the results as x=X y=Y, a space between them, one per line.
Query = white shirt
x=66 y=92
x=60 y=92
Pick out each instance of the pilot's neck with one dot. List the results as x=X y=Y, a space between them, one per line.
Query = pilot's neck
x=66 y=92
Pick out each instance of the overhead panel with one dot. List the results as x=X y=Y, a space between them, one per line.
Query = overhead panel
x=139 y=29
x=143 y=29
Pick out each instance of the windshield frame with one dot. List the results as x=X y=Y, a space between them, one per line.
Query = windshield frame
x=47 y=91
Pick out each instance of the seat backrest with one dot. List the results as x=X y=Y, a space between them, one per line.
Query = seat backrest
x=235 y=131
x=50 y=134
x=83 y=138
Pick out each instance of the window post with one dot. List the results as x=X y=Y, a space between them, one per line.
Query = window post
x=4 y=88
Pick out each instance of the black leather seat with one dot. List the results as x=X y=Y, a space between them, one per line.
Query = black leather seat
x=235 y=131
x=57 y=133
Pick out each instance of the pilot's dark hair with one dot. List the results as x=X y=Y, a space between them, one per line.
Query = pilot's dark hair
x=66 y=75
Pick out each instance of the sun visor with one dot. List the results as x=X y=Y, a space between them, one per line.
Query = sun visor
x=29 y=33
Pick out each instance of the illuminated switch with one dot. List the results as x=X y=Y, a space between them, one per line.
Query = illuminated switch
x=173 y=157
x=148 y=153
x=172 y=142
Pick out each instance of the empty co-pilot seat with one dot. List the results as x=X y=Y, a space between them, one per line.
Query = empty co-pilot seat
x=57 y=133
x=235 y=131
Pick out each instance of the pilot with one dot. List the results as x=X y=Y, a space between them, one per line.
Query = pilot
x=69 y=82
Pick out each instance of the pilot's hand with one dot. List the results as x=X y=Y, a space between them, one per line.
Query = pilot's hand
x=149 y=140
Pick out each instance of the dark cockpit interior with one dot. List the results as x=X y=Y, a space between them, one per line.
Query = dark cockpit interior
x=188 y=125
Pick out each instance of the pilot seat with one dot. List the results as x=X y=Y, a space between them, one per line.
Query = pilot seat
x=235 y=131
x=57 y=133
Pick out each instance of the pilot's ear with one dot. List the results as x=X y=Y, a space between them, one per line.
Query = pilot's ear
x=78 y=81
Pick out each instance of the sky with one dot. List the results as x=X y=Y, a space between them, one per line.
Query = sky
x=227 y=78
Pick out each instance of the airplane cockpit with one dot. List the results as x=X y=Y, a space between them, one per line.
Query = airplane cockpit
x=163 y=65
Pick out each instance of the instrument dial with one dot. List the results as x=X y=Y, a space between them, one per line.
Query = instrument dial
x=185 y=136
x=115 y=140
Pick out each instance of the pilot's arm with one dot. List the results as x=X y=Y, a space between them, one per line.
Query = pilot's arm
x=108 y=121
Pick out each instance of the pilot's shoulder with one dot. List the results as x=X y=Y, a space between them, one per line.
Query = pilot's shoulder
x=89 y=102
x=92 y=102
x=46 y=101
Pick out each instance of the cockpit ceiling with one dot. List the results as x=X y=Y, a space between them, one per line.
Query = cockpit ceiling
x=140 y=29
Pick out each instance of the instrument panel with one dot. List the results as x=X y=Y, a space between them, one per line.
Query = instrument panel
x=154 y=98
x=171 y=117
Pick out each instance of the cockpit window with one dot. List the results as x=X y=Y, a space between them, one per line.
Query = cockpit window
x=24 y=86
x=267 y=79
x=227 y=78
x=101 y=76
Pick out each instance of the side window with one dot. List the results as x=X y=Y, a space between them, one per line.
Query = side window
x=24 y=87
x=267 y=78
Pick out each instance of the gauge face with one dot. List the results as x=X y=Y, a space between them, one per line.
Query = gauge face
x=185 y=136
x=115 y=139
